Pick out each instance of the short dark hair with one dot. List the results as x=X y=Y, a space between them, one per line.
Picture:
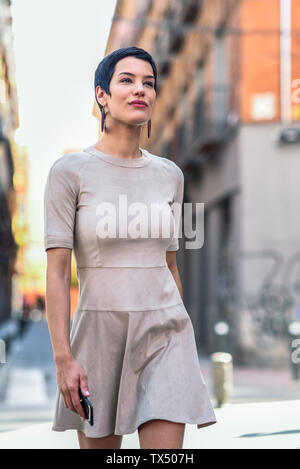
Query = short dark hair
x=106 y=67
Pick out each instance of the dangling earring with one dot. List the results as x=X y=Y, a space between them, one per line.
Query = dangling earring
x=103 y=121
x=149 y=128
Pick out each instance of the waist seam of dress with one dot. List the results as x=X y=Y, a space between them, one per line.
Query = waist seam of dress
x=131 y=309
x=124 y=267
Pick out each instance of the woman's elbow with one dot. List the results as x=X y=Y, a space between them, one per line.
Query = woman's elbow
x=59 y=263
x=171 y=260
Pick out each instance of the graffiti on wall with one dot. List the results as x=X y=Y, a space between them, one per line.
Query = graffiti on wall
x=275 y=303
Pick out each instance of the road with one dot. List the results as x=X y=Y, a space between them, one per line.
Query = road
x=28 y=380
x=262 y=411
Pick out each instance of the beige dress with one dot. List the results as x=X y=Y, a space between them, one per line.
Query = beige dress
x=131 y=332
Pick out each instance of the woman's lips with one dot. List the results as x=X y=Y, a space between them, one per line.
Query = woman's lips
x=138 y=105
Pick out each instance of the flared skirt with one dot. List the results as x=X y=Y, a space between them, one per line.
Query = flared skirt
x=140 y=365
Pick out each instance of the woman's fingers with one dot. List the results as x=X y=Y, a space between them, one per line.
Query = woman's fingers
x=68 y=399
x=76 y=401
x=72 y=379
x=84 y=385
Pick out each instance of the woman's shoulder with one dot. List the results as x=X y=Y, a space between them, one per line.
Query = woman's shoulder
x=166 y=163
x=70 y=162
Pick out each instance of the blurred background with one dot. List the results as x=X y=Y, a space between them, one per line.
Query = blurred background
x=227 y=112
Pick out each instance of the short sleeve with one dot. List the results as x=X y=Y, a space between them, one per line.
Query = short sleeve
x=60 y=202
x=177 y=209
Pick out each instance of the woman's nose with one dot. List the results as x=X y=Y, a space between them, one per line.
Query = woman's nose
x=140 y=88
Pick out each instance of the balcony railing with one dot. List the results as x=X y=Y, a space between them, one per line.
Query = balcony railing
x=211 y=113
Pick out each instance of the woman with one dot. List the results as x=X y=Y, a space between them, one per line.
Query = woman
x=132 y=347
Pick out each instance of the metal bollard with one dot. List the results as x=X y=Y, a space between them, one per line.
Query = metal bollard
x=222 y=376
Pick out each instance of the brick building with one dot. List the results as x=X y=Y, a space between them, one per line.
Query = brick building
x=8 y=123
x=227 y=112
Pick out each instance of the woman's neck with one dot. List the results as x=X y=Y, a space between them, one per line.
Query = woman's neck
x=123 y=147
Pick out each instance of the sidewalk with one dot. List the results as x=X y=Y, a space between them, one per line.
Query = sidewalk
x=266 y=425
x=256 y=384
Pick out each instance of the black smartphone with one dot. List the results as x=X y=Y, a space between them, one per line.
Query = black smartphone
x=87 y=407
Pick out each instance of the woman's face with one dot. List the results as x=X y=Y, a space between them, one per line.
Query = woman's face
x=133 y=79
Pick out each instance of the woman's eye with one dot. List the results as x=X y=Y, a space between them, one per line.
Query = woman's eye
x=148 y=82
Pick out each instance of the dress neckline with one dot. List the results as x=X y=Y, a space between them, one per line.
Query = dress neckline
x=119 y=161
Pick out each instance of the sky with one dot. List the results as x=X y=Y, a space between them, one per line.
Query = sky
x=57 y=47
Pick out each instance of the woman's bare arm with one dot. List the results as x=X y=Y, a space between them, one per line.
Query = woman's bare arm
x=70 y=374
x=172 y=264
x=58 y=281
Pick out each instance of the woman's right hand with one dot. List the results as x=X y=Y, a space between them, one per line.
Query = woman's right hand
x=71 y=376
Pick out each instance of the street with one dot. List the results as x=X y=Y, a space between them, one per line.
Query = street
x=262 y=412
x=28 y=380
